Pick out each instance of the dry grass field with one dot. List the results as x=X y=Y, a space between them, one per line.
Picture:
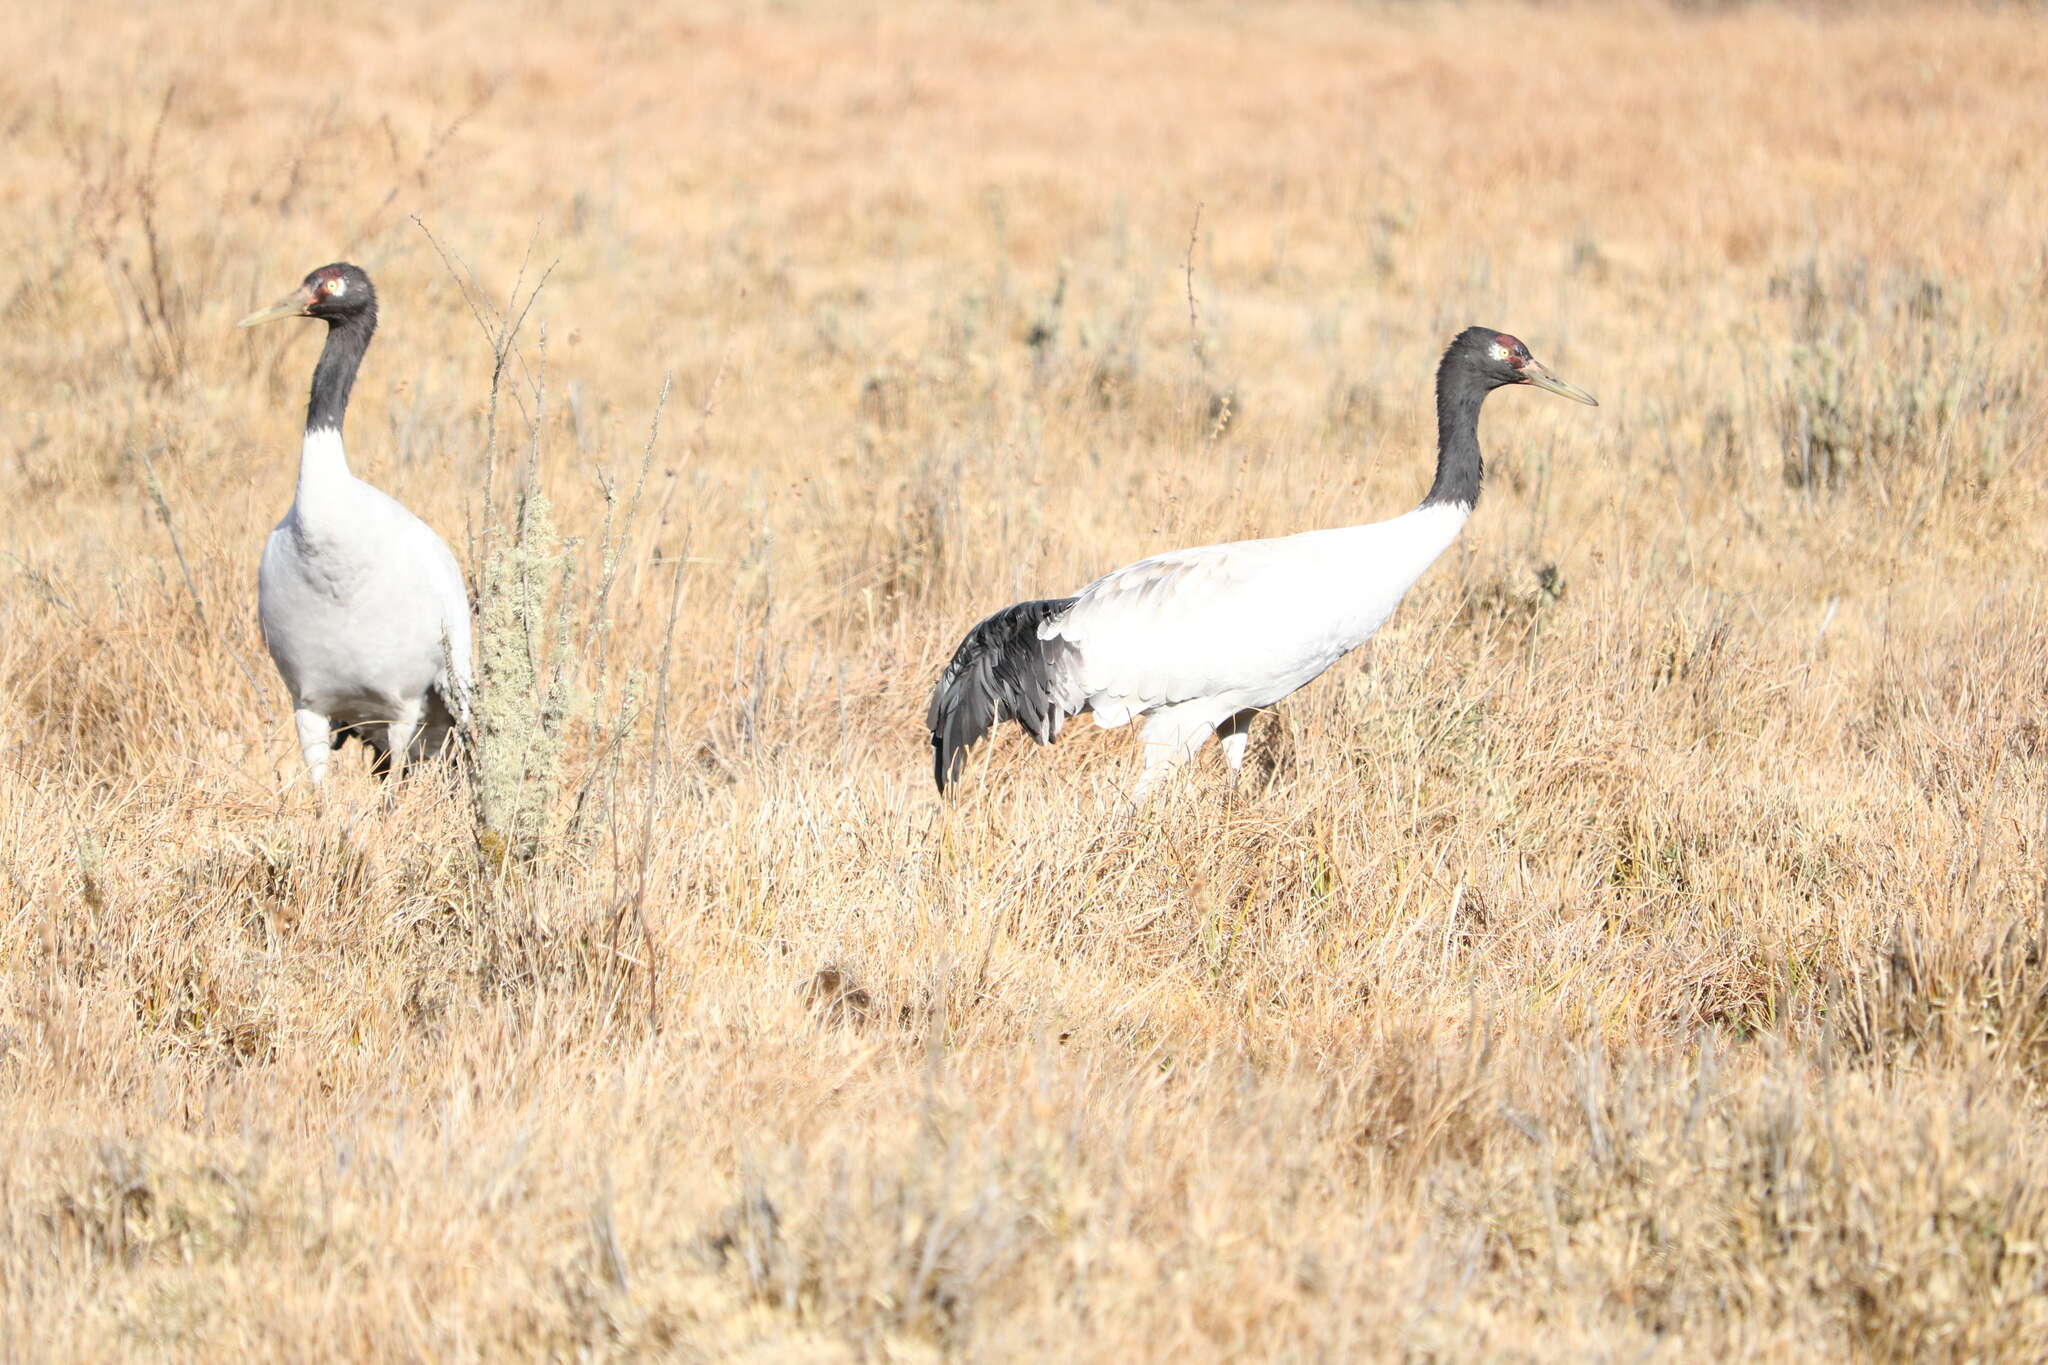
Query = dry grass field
x=1635 y=954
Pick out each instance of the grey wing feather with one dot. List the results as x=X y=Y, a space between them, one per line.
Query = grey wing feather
x=1003 y=669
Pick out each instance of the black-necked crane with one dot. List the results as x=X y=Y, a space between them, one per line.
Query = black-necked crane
x=363 y=606
x=1199 y=641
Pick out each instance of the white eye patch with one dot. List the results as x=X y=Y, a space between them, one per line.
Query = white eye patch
x=338 y=285
x=1497 y=351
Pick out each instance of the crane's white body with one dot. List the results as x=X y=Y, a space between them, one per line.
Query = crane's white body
x=365 y=613
x=1196 y=641
x=1199 y=641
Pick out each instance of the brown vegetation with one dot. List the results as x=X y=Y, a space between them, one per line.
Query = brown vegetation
x=1638 y=956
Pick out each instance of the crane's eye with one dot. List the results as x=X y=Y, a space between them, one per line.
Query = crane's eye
x=1497 y=351
x=335 y=285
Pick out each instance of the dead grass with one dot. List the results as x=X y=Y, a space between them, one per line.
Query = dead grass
x=1639 y=956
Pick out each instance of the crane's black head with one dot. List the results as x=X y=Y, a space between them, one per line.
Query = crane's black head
x=335 y=294
x=1497 y=360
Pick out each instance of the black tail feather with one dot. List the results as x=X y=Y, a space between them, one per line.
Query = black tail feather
x=1002 y=670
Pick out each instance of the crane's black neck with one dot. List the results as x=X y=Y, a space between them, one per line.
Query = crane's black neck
x=1459 y=467
x=347 y=338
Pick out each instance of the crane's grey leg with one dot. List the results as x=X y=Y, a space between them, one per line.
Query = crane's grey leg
x=1234 y=734
x=437 y=724
x=315 y=742
x=398 y=737
x=1171 y=736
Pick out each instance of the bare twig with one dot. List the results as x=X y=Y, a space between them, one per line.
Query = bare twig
x=657 y=751
x=163 y=511
x=658 y=744
x=433 y=149
x=611 y=547
x=1197 y=363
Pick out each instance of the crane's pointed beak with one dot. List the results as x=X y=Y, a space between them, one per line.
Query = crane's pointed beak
x=1533 y=373
x=292 y=305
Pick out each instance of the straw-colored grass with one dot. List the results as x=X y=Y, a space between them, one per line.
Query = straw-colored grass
x=1636 y=954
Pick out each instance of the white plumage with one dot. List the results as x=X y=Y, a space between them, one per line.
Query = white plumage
x=363 y=607
x=1199 y=641
x=1192 y=638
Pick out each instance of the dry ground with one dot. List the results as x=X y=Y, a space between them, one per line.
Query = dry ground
x=1636 y=957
